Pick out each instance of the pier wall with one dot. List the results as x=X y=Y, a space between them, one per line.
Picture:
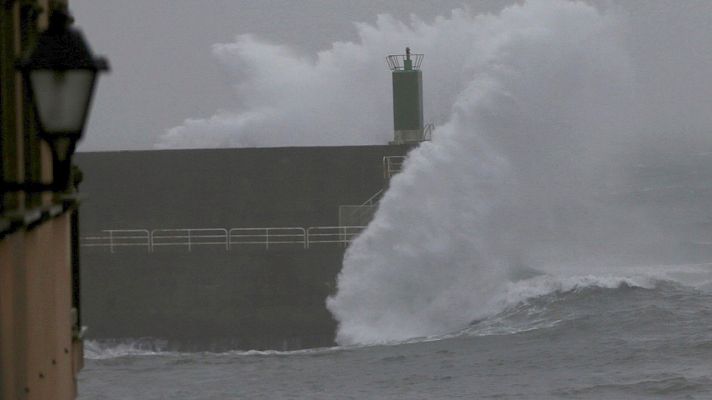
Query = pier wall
x=210 y=297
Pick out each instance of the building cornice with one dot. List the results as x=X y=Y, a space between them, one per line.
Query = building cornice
x=25 y=220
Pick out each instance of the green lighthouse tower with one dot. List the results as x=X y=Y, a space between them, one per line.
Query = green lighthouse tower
x=407 y=97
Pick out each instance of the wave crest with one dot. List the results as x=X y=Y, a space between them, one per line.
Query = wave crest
x=503 y=182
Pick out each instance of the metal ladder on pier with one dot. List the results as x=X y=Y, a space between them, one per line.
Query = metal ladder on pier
x=362 y=214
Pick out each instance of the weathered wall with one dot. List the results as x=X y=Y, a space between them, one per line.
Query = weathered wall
x=298 y=186
x=212 y=298
x=39 y=357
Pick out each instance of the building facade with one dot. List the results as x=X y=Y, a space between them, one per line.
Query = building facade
x=40 y=335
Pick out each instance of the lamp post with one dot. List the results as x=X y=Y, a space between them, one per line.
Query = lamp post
x=60 y=72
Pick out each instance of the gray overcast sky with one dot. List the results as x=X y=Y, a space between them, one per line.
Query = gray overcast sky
x=160 y=53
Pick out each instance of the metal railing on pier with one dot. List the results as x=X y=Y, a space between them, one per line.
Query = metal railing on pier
x=117 y=238
x=267 y=236
x=392 y=165
x=190 y=237
x=332 y=234
x=224 y=238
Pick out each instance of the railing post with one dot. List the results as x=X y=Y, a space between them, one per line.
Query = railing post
x=266 y=238
x=189 y=244
x=111 y=241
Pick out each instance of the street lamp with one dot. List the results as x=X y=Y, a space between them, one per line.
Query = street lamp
x=60 y=72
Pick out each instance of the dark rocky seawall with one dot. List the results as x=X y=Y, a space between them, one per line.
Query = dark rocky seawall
x=263 y=187
x=208 y=297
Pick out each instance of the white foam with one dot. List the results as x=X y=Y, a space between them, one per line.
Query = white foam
x=97 y=350
x=539 y=116
x=530 y=137
x=521 y=291
x=110 y=349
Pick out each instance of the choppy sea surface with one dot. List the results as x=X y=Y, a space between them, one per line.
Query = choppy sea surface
x=586 y=338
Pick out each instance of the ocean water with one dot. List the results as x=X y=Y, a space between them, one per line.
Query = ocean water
x=590 y=338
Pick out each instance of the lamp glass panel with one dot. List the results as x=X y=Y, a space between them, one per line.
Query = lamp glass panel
x=62 y=98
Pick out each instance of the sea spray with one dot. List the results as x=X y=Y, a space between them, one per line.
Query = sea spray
x=511 y=178
x=543 y=118
x=340 y=96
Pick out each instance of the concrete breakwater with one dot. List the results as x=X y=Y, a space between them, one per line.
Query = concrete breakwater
x=204 y=297
x=212 y=300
